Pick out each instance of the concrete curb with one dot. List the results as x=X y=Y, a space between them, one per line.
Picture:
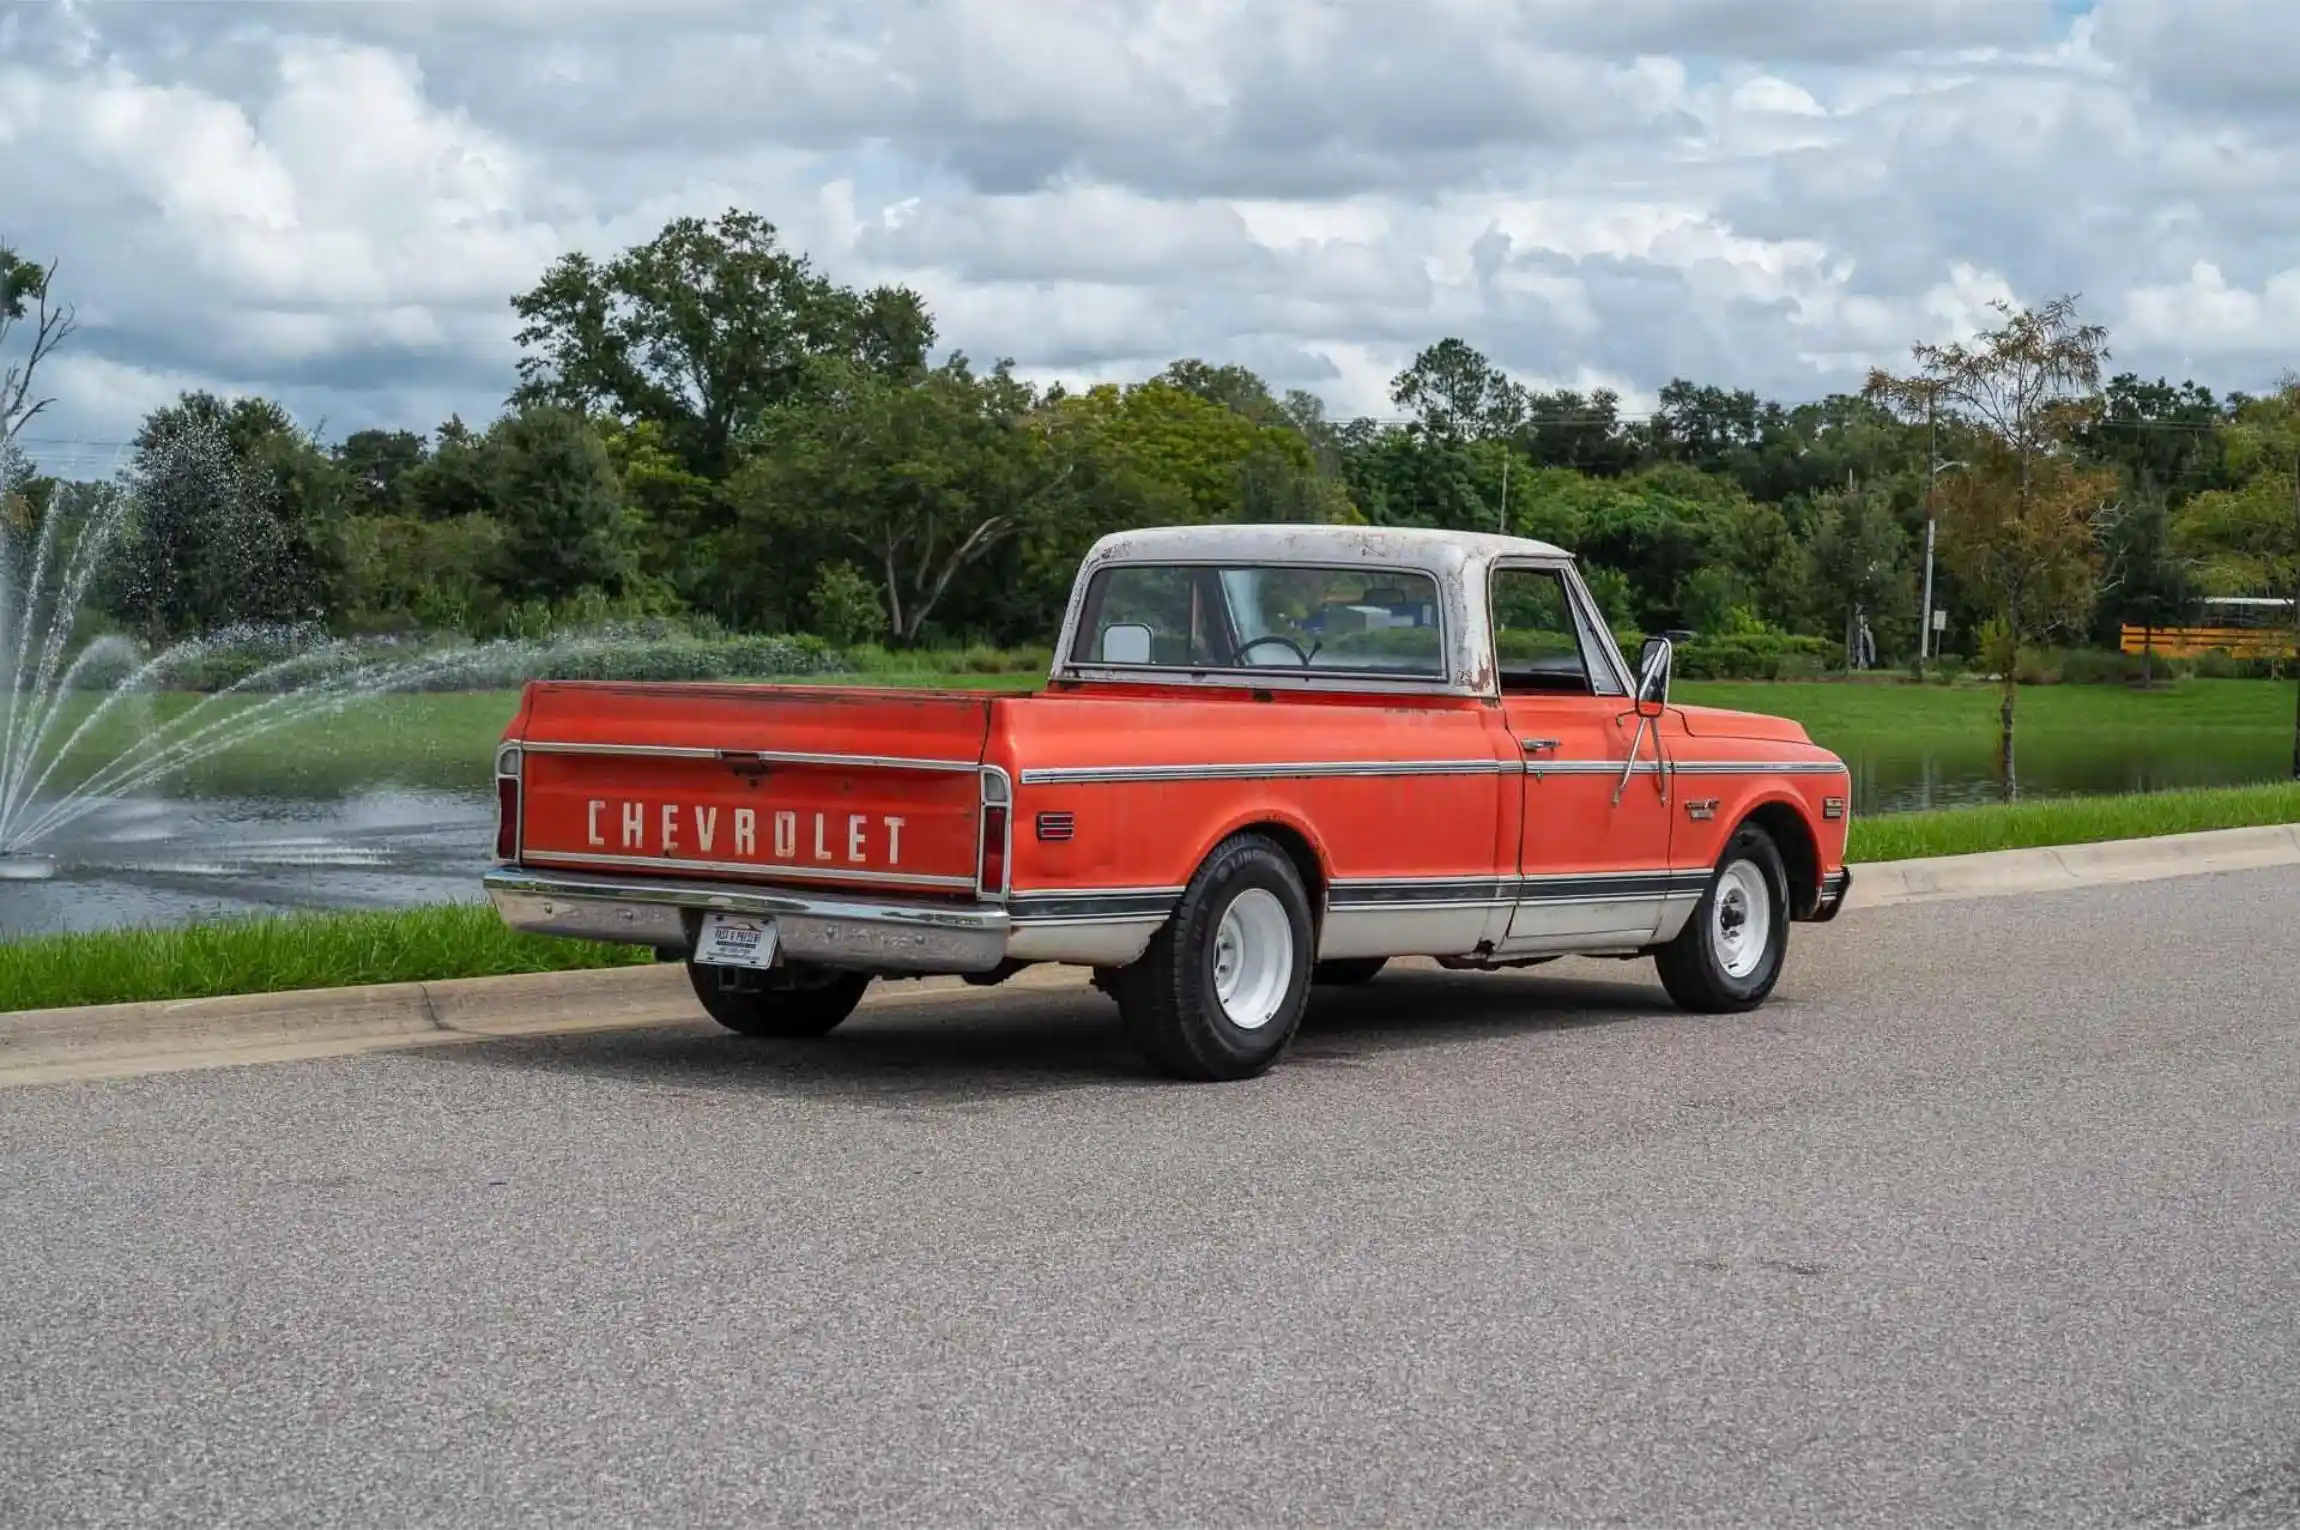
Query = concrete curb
x=2059 y=868
x=122 y=1040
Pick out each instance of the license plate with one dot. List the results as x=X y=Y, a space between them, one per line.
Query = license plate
x=736 y=940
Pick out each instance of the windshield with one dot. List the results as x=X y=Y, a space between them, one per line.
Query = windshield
x=1285 y=617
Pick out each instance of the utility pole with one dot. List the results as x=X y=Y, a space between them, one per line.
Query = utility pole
x=1932 y=474
x=1506 y=454
x=2296 y=610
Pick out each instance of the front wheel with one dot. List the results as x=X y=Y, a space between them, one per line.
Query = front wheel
x=1221 y=989
x=1729 y=955
x=784 y=1003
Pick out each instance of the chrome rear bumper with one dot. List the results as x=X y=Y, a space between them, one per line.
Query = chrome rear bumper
x=872 y=936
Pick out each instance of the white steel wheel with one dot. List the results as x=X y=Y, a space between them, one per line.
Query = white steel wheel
x=1253 y=959
x=1741 y=919
x=1728 y=956
x=1220 y=989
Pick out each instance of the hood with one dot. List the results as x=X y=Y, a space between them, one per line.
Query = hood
x=1717 y=722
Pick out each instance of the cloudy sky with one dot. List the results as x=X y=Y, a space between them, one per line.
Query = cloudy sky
x=332 y=204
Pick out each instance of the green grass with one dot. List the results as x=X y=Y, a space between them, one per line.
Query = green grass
x=2070 y=821
x=280 y=953
x=1840 y=714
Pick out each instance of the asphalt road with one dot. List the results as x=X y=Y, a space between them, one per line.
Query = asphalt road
x=1992 y=1216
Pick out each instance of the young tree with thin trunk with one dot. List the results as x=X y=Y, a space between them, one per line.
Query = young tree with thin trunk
x=2019 y=514
x=26 y=304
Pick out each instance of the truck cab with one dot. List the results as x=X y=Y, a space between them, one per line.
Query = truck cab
x=1265 y=757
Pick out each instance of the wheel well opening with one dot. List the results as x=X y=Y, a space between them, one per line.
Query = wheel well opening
x=1305 y=861
x=1800 y=854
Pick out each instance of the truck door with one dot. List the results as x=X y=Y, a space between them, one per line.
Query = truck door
x=1593 y=848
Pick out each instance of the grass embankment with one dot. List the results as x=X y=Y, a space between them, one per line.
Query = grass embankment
x=2070 y=821
x=1839 y=712
x=273 y=955
x=284 y=952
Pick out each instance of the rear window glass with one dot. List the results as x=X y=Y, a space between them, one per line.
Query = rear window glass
x=1175 y=616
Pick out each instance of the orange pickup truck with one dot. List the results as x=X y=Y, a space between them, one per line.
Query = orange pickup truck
x=1266 y=757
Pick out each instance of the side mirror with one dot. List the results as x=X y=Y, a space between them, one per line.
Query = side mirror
x=1126 y=643
x=1654 y=661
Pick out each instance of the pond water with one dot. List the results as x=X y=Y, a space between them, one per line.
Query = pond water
x=350 y=843
x=1900 y=778
x=157 y=860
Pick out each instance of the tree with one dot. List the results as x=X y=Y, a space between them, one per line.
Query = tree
x=923 y=475
x=1566 y=429
x=380 y=462
x=1860 y=563
x=2019 y=517
x=1228 y=467
x=561 y=510
x=2249 y=535
x=25 y=289
x=1454 y=394
x=237 y=519
x=702 y=328
x=1235 y=388
x=2169 y=435
x=452 y=481
x=2148 y=580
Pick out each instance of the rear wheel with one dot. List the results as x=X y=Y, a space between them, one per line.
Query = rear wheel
x=1344 y=971
x=1729 y=955
x=1221 y=989
x=787 y=1003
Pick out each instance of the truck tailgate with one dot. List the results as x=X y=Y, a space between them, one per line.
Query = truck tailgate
x=754 y=783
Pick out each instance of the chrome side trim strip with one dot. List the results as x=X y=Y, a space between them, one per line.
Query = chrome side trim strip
x=762 y=756
x=1394 y=893
x=1099 y=775
x=1588 y=767
x=1093 y=907
x=752 y=868
x=1759 y=767
x=1105 y=775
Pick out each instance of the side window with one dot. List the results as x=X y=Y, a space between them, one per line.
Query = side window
x=1538 y=641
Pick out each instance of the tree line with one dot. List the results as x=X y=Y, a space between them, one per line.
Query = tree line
x=707 y=429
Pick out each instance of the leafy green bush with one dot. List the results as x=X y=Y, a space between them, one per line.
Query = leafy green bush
x=2220 y=666
x=846 y=605
x=1756 y=656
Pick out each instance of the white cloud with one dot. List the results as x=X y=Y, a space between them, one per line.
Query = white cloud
x=334 y=205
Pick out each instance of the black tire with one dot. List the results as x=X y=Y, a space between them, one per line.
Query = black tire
x=1168 y=999
x=787 y=1003
x=1347 y=971
x=1692 y=966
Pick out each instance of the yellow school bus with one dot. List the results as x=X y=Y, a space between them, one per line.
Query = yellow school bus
x=2240 y=626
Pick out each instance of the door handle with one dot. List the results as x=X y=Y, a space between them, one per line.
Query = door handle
x=1539 y=745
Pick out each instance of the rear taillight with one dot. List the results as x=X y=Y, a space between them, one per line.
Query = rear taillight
x=507 y=803
x=997 y=808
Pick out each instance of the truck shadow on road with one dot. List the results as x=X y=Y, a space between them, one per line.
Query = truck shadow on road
x=1022 y=1041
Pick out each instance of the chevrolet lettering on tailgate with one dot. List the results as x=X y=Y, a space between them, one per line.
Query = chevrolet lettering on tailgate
x=1267 y=758
x=744 y=834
